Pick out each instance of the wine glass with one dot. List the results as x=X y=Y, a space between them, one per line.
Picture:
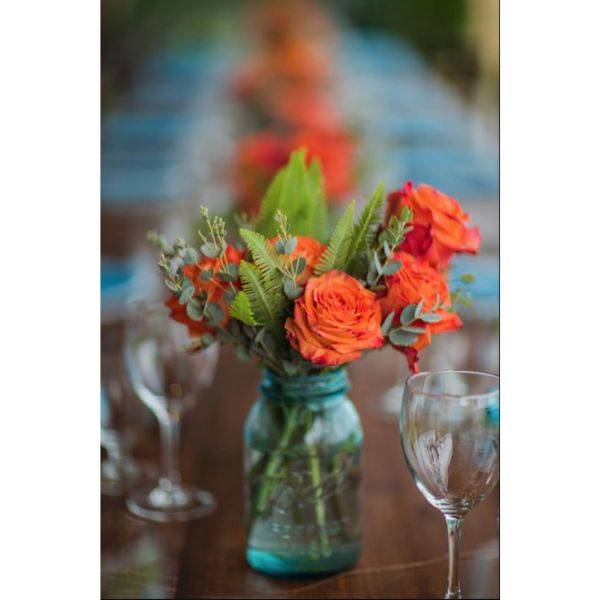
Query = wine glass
x=119 y=470
x=168 y=380
x=449 y=424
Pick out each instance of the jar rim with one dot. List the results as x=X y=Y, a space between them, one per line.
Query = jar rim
x=300 y=388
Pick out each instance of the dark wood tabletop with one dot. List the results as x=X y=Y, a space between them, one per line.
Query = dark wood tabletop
x=405 y=553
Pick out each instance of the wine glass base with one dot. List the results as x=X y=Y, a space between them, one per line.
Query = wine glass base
x=165 y=505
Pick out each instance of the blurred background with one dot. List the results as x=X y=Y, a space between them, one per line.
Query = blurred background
x=202 y=103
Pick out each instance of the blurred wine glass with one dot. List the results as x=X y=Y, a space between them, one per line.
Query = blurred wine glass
x=449 y=424
x=168 y=379
x=118 y=469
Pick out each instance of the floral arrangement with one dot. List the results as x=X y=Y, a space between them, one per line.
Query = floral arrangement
x=299 y=300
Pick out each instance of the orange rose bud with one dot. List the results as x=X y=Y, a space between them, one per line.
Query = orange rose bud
x=439 y=224
x=309 y=249
x=335 y=320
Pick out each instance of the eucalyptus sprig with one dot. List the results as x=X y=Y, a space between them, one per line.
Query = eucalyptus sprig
x=382 y=261
x=407 y=333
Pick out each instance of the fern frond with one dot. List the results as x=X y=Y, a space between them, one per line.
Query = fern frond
x=242 y=310
x=365 y=229
x=336 y=254
x=262 y=252
x=265 y=294
x=270 y=203
x=320 y=225
x=298 y=192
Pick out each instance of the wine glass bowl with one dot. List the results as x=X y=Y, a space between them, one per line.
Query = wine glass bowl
x=450 y=437
x=168 y=379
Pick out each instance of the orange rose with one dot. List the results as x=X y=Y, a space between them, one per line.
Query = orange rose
x=178 y=313
x=439 y=224
x=214 y=287
x=335 y=320
x=414 y=282
x=309 y=249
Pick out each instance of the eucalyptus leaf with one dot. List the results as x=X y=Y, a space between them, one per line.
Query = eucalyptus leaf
x=211 y=250
x=227 y=277
x=206 y=275
x=299 y=264
x=242 y=353
x=391 y=267
x=291 y=289
x=402 y=338
x=387 y=249
x=260 y=335
x=372 y=275
x=413 y=329
x=190 y=256
x=194 y=310
x=186 y=295
x=233 y=269
x=214 y=313
x=419 y=308
x=430 y=317
x=208 y=339
x=290 y=245
x=377 y=263
x=408 y=314
x=280 y=247
x=387 y=323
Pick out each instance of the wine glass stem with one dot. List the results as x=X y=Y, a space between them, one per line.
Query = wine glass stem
x=169 y=433
x=454 y=527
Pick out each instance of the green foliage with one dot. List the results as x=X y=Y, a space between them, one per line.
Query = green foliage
x=365 y=230
x=296 y=191
x=263 y=253
x=337 y=252
x=242 y=310
x=264 y=291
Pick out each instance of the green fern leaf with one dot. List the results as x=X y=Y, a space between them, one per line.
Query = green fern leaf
x=336 y=254
x=242 y=310
x=365 y=229
x=263 y=253
x=320 y=225
x=265 y=222
x=265 y=294
x=298 y=192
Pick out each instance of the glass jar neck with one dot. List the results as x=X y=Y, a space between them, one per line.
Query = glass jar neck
x=322 y=387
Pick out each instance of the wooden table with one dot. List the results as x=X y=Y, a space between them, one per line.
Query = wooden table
x=405 y=554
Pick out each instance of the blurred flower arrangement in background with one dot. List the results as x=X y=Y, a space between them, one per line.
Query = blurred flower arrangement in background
x=286 y=88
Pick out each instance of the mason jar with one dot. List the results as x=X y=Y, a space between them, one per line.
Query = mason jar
x=302 y=459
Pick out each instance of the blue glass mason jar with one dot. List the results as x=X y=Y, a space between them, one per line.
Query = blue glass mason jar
x=303 y=441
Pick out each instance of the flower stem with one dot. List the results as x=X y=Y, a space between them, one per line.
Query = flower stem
x=315 y=473
x=275 y=460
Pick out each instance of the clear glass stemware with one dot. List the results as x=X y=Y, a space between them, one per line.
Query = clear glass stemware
x=168 y=380
x=450 y=436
